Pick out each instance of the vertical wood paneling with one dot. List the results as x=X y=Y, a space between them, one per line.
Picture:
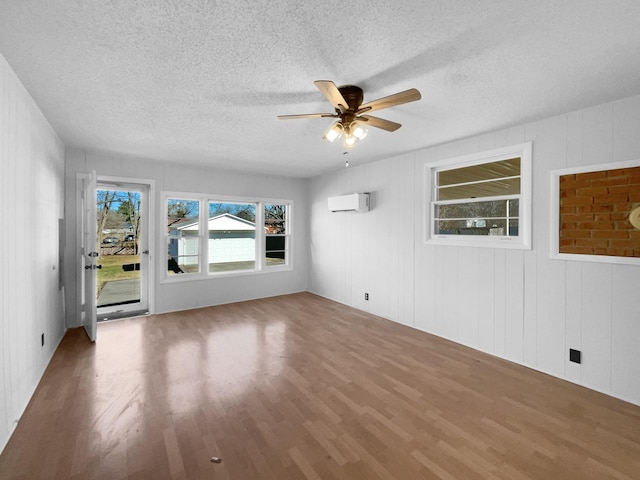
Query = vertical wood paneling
x=499 y=303
x=405 y=253
x=550 y=151
x=468 y=299
x=448 y=305
x=625 y=335
x=626 y=125
x=32 y=173
x=486 y=305
x=573 y=316
x=596 y=325
x=514 y=306
x=530 y=314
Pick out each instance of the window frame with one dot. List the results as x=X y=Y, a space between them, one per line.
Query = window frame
x=554 y=215
x=203 y=236
x=523 y=240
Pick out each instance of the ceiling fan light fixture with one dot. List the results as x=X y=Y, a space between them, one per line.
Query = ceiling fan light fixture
x=358 y=131
x=333 y=132
x=349 y=140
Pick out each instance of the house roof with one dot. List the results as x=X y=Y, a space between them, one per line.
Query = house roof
x=203 y=82
x=223 y=222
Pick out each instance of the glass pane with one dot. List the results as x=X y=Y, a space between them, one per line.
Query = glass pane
x=275 y=250
x=184 y=255
x=232 y=236
x=275 y=219
x=514 y=227
x=492 y=188
x=275 y=243
x=474 y=210
x=118 y=217
x=275 y=258
x=183 y=242
x=476 y=226
x=484 y=171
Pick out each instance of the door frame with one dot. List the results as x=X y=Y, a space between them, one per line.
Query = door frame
x=150 y=235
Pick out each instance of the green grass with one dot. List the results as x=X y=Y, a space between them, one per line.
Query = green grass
x=112 y=269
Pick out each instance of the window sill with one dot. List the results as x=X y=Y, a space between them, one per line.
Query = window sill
x=193 y=277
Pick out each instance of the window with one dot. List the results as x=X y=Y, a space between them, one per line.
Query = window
x=213 y=236
x=482 y=199
x=276 y=235
x=232 y=236
x=183 y=236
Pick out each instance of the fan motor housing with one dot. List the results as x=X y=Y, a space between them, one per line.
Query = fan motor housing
x=353 y=95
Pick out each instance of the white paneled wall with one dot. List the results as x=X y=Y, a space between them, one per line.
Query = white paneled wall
x=519 y=305
x=31 y=202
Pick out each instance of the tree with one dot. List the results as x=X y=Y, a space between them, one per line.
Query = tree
x=274 y=218
x=104 y=201
x=182 y=208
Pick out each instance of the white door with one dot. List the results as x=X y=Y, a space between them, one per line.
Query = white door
x=89 y=252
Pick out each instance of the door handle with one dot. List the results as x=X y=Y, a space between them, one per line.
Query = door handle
x=92 y=267
x=146 y=252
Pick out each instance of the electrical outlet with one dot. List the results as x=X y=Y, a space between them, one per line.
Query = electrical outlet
x=366 y=296
x=575 y=356
x=42 y=340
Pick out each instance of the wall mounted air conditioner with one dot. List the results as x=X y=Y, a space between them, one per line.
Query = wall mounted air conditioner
x=356 y=202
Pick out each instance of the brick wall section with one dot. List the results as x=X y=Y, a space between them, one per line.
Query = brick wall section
x=594 y=212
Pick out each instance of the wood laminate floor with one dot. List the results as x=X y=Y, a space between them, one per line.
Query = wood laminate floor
x=299 y=387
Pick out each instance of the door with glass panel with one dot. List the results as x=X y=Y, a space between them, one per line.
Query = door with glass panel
x=123 y=243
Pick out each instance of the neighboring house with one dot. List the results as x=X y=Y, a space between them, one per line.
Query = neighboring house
x=231 y=239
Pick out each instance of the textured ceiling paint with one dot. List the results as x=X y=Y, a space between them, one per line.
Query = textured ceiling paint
x=202 y=81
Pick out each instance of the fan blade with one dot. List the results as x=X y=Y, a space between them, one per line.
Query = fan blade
x=307 y=115
x=329 y=90
x=387 y=125
x=407 y=96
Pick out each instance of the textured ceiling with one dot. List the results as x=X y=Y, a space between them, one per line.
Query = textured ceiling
x=202 y=82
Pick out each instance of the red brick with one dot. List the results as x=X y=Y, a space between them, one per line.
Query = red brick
x=595 y=226
x=616 y=172
x=582 y=200
x=610 y=234
x=578 y=250
x=619 y=189
x=591 y=175
x=592 y=242
x=623 y=225
x=567 y=193
x=567 y=209
x=610 y=199
x=621 y=216
x=575 y=234
x=564 y=179
x=601 y=208
x=609 y=182
x=569 y=217
x=592 y=191
x=603 y=217
x=627 y=244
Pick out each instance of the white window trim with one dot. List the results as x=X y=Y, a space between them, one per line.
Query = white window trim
x=554 y=215
x=204 y=199
x=523 y=240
